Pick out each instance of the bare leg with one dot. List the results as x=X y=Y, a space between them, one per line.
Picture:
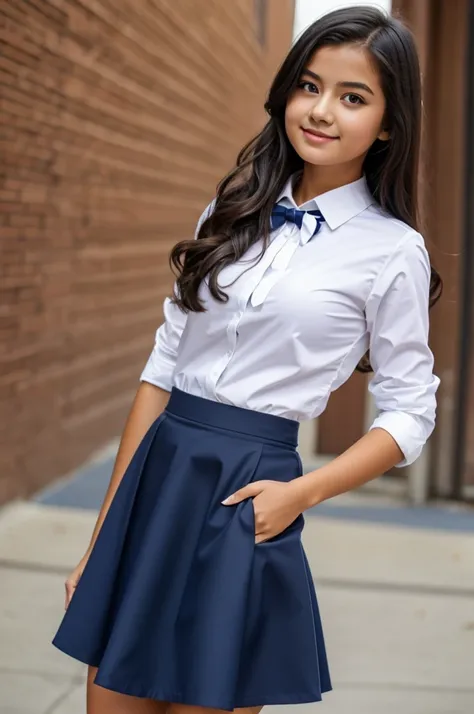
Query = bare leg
x=103 y=701
x=185 y=709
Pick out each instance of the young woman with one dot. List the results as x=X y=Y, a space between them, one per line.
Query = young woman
x=195 y=594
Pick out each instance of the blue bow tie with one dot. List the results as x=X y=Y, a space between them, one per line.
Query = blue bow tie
x=281 y=214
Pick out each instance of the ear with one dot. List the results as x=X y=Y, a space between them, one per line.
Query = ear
x=384 y=135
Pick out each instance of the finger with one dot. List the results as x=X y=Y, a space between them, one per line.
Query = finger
x=249 y=491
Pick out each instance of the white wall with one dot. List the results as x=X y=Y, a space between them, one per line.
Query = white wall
x=309 y=10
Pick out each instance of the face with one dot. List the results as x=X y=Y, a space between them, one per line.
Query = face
x=337 y=110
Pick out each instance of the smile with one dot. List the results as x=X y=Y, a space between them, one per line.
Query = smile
x=318 y=137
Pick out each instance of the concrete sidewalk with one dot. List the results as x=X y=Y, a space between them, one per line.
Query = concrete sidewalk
x=397 y=604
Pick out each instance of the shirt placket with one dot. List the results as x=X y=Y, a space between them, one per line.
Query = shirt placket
x=246 y=286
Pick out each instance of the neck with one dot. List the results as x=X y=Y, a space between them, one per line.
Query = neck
x=316 y=180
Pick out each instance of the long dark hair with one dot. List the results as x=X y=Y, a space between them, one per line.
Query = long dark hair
x=246 y=196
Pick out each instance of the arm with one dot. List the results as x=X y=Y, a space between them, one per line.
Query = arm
x=161 y=363
x=148 y=404
x=403 y=385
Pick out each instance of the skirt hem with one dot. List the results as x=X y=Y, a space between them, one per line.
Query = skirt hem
x=189 y=700
x=179 y=698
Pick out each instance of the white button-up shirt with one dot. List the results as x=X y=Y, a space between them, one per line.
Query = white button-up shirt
x=297 y=323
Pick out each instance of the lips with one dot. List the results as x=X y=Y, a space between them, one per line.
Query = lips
x=319 y=134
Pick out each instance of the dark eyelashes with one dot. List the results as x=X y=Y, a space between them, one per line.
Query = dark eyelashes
x=360 y=100
x=302 y=84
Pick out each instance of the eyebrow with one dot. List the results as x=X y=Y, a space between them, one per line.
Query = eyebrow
x=347 y=85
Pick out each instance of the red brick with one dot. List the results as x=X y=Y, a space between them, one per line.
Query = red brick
x=117 y=120
x=24 y=220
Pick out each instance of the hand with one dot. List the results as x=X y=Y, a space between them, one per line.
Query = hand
x=73 y=579
x=276 y=505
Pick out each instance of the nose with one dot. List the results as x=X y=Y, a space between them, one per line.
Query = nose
x=321 y=110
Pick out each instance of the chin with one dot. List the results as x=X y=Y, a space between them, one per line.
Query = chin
x=320 y=157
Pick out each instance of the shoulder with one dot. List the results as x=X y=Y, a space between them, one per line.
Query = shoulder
x=409 y=252
x=393 y=240
x=400 y=255
x=205 y=215
x=392 y=229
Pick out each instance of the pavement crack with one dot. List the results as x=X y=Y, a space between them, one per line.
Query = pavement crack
x=378 y=586
x=339 y=583
x=401 y=686
x=35 y=567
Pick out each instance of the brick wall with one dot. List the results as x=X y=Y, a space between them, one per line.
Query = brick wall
x=118 y=118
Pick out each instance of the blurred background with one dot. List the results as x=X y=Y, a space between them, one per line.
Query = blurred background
x=117 y=120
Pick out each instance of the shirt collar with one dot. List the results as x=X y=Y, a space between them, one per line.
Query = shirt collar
x=337 y=206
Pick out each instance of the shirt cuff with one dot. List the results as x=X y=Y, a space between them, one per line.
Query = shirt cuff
x=408 y=432
x=159 y=372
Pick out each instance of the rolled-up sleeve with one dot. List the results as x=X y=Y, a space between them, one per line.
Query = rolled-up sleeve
x=162 y=360
x=161 y=363
x=403 y=385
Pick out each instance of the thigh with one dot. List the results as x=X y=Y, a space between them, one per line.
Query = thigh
x=185 y=709
x=103 y=701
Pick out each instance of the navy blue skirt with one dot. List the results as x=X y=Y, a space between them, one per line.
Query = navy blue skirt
x=177 y=603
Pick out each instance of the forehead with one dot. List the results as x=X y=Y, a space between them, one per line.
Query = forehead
x=345 y=63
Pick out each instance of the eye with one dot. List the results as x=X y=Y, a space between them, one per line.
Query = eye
x=353 y=99
x=308 y=86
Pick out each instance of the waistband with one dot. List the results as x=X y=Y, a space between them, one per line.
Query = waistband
x=238 y=419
